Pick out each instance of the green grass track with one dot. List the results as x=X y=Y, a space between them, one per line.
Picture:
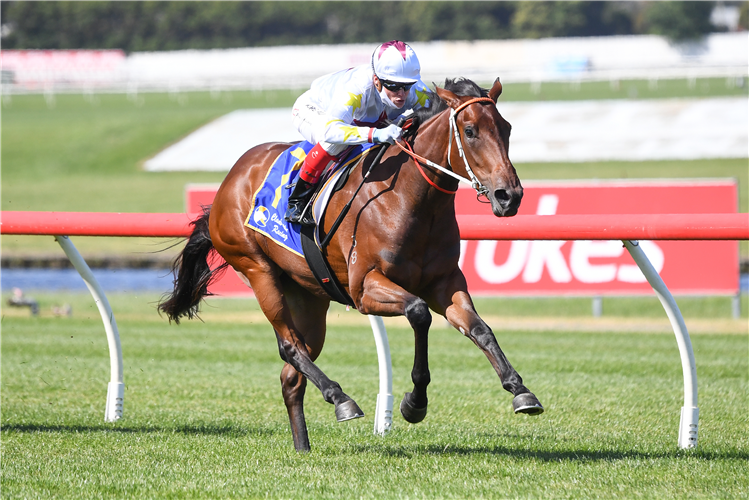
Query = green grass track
x=204 y=417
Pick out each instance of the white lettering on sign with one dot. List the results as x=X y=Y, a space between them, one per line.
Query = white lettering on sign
x=546 y=254
x=584 y=250
x=530 y=258
x=495 y=274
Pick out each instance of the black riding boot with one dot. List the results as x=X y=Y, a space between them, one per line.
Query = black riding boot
x=298 y=200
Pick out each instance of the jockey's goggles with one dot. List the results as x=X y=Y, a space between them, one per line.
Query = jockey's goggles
x=396 y=86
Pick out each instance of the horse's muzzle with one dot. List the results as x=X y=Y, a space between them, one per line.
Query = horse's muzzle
x=506 y=202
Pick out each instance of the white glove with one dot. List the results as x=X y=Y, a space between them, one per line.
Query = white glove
x=390 y=134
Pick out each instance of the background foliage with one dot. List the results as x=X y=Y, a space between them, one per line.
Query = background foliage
x=147 y=26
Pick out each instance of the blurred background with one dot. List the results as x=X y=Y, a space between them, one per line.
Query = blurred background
x=118 y=106
x=159 y=26
x=175 y=46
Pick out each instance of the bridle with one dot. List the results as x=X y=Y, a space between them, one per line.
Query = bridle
x=481 y=190
x=475 y=183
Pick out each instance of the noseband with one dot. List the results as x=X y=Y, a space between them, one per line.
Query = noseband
x=481 y=190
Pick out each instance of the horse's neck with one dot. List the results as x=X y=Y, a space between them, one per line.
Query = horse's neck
x=432 y=143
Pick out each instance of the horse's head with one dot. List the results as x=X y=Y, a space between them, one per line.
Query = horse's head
x=485 y=137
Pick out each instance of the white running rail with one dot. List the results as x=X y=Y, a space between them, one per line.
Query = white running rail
x=116 y=387
x=688 y=425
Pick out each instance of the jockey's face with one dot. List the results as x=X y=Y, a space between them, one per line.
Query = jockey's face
x=398 y=97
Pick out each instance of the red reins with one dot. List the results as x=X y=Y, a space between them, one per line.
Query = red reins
x=419 y=160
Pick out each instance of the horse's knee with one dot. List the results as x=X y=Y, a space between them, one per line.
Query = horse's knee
x=418 y=315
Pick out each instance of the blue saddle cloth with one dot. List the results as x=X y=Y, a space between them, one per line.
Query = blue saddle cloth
x=270 y=201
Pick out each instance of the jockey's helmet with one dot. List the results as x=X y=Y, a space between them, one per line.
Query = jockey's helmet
x=396 y=61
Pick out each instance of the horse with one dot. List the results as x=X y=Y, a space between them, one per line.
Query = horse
x=395 y=252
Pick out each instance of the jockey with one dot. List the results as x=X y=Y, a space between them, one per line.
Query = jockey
x=354 y=106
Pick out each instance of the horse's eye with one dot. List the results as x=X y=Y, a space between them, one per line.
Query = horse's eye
x=469 y=132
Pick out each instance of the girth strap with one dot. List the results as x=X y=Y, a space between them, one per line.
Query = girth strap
x=321 y=269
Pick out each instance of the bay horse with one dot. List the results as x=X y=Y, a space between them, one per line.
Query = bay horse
x=395 y=253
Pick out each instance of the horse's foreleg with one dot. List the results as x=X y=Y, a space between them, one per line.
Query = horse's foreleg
x=461 y=314
x=384 y=298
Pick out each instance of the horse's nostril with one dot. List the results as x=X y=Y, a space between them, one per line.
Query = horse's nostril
x=502 y=195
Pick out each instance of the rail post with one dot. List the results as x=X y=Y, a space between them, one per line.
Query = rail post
x=383 y=420
x=690 y=413
x=116 y=386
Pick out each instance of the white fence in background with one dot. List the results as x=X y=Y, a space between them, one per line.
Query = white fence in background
x=294 y=67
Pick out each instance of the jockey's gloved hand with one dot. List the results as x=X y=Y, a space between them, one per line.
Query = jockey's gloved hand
x=390 y=134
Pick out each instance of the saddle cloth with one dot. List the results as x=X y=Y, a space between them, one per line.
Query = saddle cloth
x=266 y=214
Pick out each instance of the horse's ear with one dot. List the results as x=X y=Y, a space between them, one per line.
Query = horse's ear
x=447 y=96
x=496 y=90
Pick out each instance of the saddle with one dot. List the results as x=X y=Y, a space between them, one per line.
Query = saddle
x=266 y=214
x=312 y=244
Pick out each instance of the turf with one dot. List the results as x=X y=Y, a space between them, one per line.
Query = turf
x=203 y=413
x=204 y=417
x=625 y=89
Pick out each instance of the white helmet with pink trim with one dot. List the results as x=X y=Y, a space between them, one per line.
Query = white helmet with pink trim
x=396 y=61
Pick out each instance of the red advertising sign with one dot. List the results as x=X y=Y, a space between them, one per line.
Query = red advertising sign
x=588 y=267
x=33 y=69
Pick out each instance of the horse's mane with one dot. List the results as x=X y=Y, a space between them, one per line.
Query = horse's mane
x=458 y=86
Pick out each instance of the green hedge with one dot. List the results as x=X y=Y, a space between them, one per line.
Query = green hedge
x=146 y=26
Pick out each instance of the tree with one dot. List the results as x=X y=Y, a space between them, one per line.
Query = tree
x=678 y=21
x=744 y=16
x=553 y=19
x=171 y=25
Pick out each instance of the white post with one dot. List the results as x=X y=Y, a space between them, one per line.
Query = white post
x=384 y=411
x=688 y=424
x=116 y=387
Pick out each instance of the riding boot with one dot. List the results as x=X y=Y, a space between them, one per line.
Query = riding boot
x=312 y=168
x=298 y=200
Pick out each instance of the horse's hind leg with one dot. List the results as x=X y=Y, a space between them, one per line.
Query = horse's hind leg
x=298 y=319
x=293 y=386
x=308 y=313
x=277 y=299
x=304 y=317
x=384 y=298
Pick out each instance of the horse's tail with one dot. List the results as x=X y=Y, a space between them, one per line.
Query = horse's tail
x=192 y=273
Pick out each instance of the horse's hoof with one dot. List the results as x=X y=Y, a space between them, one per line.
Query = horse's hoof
x=410 y=413
x=348 y=410
x=527 y=403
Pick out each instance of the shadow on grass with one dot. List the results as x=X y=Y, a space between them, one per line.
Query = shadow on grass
x=198 y=429
x=408 y=451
